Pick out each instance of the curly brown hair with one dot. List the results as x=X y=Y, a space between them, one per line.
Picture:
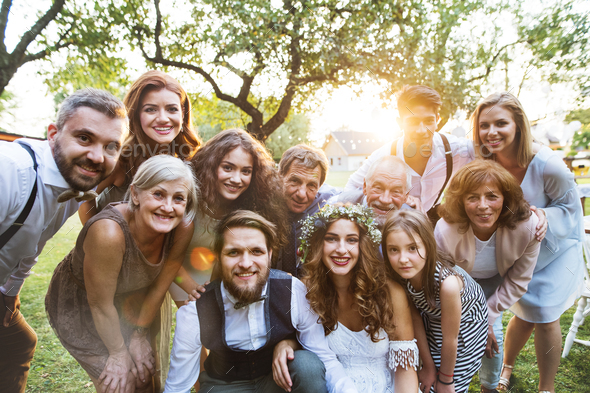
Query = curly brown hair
x=135 y=149
x=471 y=177
x=263 y=195
x=368 y=285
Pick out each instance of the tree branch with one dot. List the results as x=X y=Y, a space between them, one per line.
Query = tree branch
x=491 y=63
x=158 y=29
x=57 y=46
x=3 y=22
x=30 y=35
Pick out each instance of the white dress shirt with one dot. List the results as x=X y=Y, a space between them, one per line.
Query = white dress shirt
x=427 y=186
x=19 y=255
x=246 y=329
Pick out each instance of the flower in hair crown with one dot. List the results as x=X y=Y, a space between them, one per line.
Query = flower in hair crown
x=356 y=213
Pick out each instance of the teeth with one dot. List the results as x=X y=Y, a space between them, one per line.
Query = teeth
x=340 y=259
x=164 y=217
x=162 y=128
x=245 y=274
x=88 y=169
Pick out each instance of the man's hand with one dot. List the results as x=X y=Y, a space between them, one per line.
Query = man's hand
x=542 y=225
x=427 y=377
x=283 y=352
x=194 y=294
x=414 y=203
x=492 y=345
x=12 y=304
x=142 y=355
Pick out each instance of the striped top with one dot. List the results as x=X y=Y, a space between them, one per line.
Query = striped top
x=473 y=328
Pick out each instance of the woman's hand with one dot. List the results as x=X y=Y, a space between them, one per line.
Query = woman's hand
x=542 y=225
x=142 y=355
x=427 y=377
x=116 y=371
x=194 y=294
x=282 y=353
x=492 y=345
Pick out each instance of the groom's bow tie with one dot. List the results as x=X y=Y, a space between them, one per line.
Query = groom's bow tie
x=78 y=195
x=239 y=305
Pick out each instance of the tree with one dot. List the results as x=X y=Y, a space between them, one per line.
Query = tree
x=581 y=139
x=293 y=132
x=81 y=28
x=268 y=60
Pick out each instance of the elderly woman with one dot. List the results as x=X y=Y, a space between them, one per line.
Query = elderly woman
x=488 y=228
x=105 y=294
x=502 y=130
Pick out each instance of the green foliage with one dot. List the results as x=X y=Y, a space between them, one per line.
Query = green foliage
x=291 y=133
x=581 y=139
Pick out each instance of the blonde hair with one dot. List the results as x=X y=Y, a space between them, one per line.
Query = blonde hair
x=162 y=168
x=524 y=137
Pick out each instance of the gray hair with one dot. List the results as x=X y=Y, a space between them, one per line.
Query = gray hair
x=391 y=161
x=162 y=168
x=308 y=156
x=99 y=100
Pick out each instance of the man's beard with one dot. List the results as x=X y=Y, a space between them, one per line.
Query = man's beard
x=67 y=169
x=242 y=294
x=381 y=218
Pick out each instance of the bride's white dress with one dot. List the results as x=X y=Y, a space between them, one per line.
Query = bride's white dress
x=369 y=364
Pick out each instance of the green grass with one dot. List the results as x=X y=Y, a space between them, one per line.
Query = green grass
x=338 y=179
x=54 y=370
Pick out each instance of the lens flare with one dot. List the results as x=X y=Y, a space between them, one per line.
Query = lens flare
x=202 y=258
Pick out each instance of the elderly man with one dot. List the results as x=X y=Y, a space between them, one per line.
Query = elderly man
x=43 y=184
x=241 y=318
x=303 y=170
x=384 y=189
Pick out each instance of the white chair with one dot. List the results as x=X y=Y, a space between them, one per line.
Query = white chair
x=583 y=309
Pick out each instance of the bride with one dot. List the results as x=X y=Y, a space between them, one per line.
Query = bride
x=366 y=317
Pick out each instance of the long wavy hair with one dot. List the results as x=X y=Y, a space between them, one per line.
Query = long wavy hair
x=368 y=285
x=263 y=195
x=416 y=224
x=472 y=176
x=136 y=147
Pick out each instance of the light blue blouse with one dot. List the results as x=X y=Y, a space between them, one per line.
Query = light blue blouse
x=558 y=278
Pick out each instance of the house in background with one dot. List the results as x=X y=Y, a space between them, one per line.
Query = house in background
x=8 y=136
x=346 y=150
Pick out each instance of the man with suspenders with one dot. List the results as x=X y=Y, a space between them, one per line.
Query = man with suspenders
x=432 y=158
x=42 y=185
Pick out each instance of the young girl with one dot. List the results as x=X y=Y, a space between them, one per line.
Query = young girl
x=452 y=305
x=366 y=317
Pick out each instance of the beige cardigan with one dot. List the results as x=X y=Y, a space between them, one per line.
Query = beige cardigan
x=516 y=256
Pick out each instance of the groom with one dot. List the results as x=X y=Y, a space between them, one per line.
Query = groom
x=241 y=318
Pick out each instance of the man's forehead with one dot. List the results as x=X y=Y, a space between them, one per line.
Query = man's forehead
x=388 y=173
x=417 y=111
x=244 y=237
x=300 y=170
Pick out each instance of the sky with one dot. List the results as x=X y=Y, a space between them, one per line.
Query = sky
x=35 y=108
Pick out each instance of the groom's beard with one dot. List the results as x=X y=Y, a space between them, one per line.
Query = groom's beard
x=243 y=293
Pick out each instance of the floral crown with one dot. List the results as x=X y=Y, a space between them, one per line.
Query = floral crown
x=356 y=213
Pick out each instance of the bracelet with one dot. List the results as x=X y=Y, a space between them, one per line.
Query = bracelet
x=445 y=383
x=445 y=375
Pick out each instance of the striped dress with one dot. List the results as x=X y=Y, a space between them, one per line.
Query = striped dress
x=473 y=330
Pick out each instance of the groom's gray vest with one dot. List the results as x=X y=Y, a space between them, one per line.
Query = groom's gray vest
x=230 y=364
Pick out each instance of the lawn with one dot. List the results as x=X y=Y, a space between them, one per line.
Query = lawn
x=54 y=370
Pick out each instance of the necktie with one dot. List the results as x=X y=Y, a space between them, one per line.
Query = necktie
x=239 y=305
x=78 y=195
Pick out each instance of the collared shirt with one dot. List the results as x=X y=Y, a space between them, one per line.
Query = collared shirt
x=47 y=216
x=245 y=329
x=425 y=187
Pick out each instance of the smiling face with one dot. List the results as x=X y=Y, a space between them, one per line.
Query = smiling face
x=234 y=174
x=300 y=186
x=407 y=256
x=87 y=148
x=483 y=206
x=245 y=262
x=160 y=208
x=497 y=130
x=385 y=191
x=341 y=247
x=419 y=123
x=160 y=115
